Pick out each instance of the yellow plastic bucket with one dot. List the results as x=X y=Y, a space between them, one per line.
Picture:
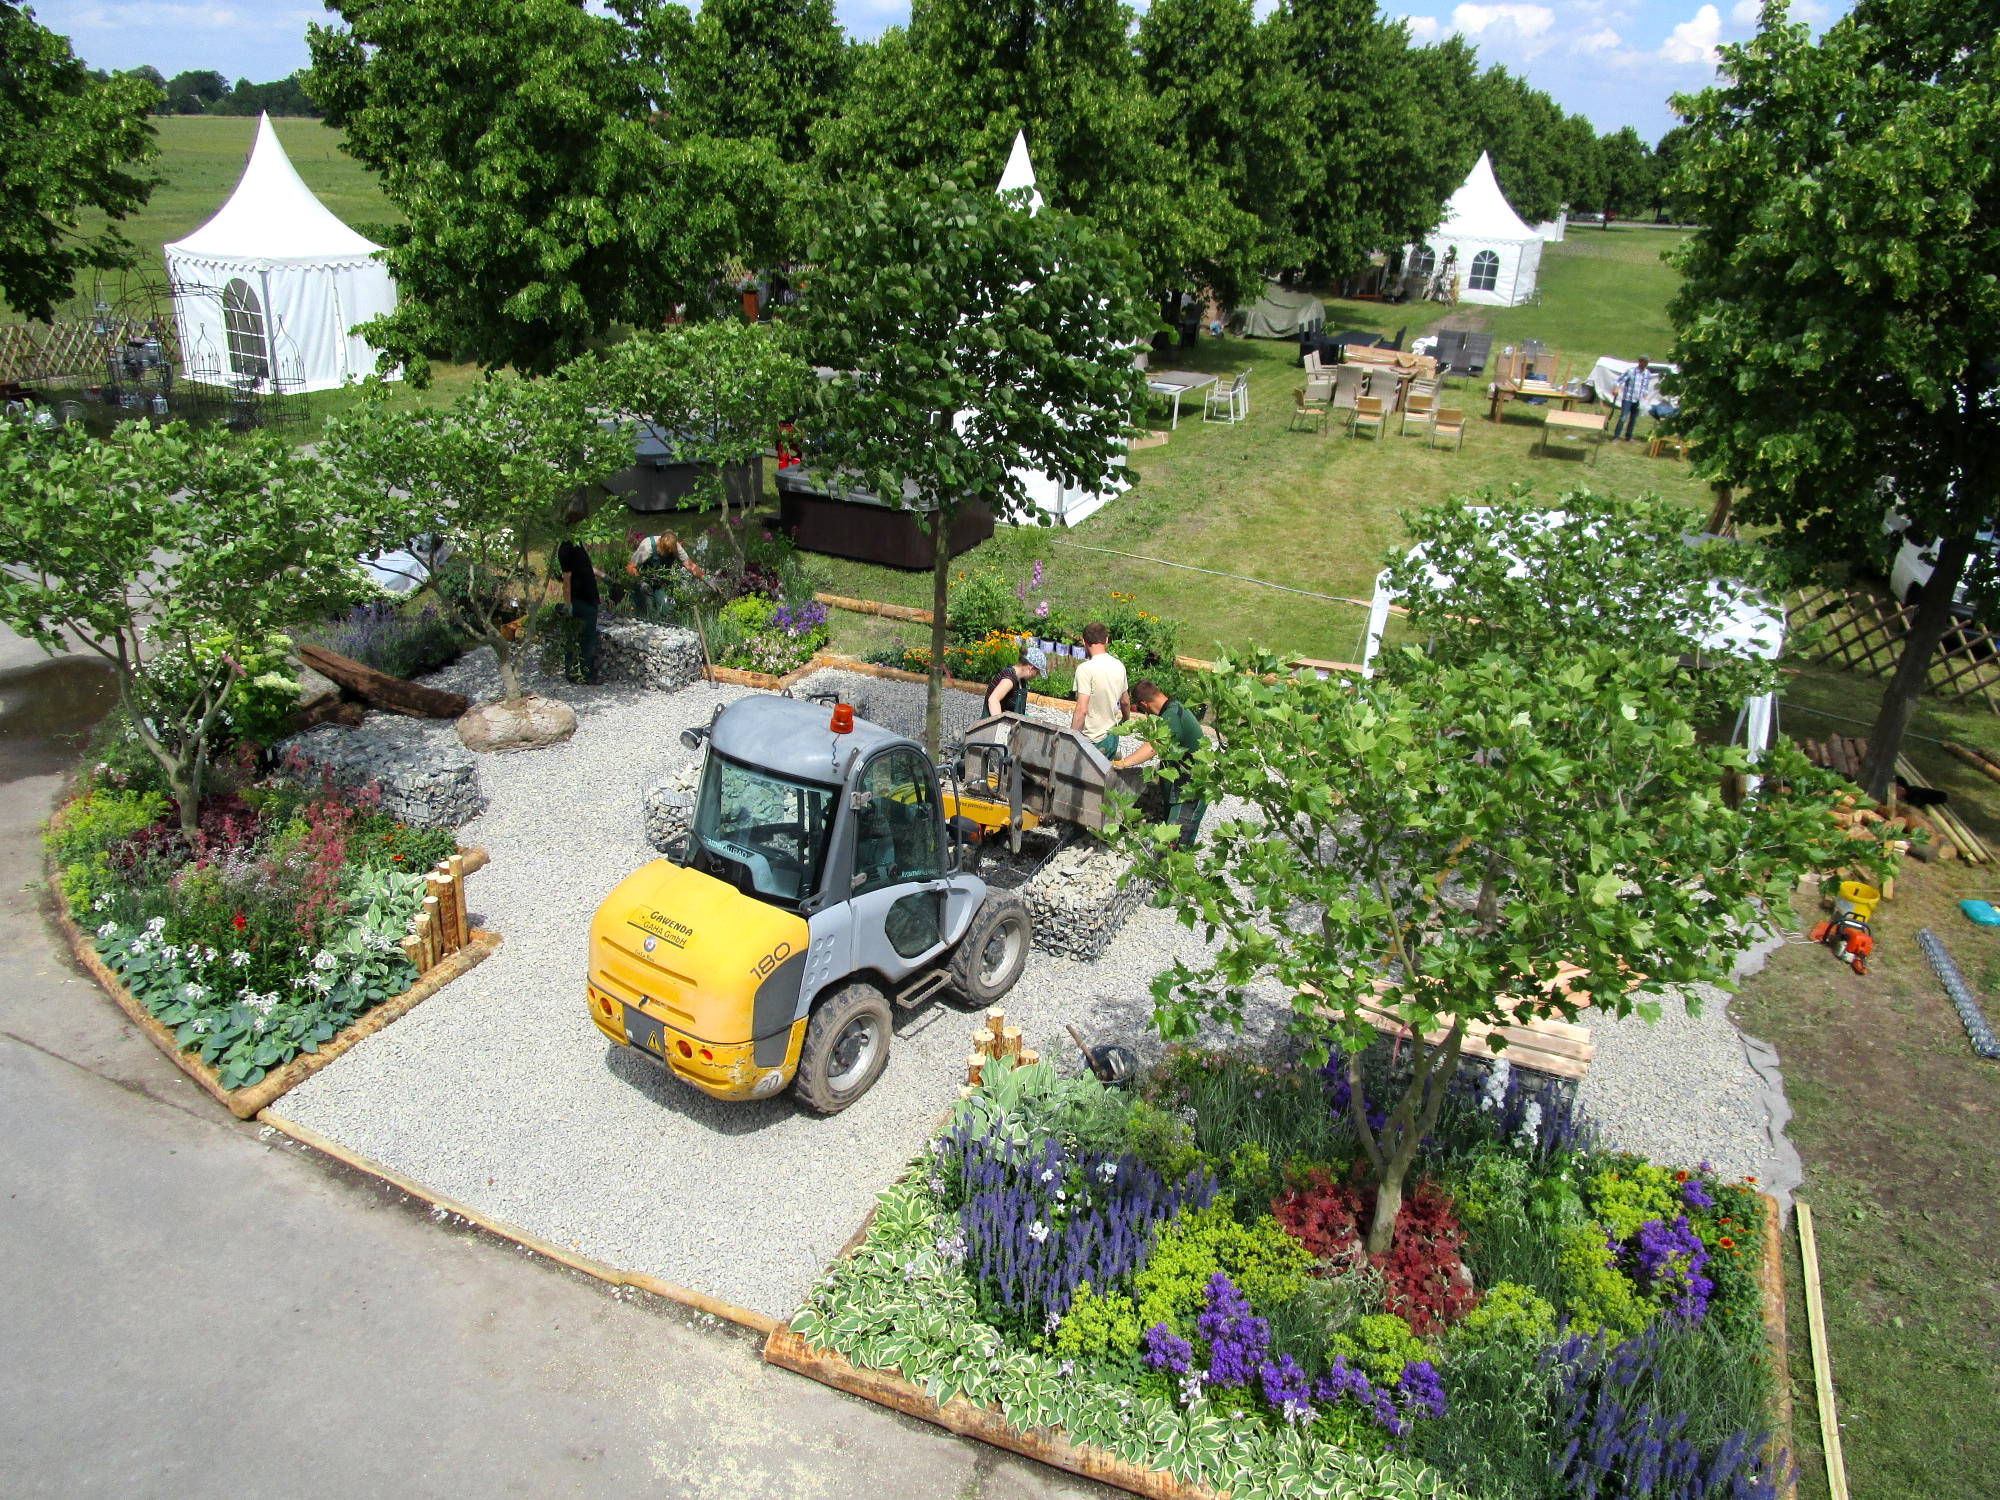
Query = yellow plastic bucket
x=1858 y=897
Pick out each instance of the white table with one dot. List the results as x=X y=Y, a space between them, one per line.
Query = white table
x=1177 y=383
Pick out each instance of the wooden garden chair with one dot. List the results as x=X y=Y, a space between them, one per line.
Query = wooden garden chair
x=1369 y=412
x=1307 y=411
x=1448 y=422
x=1420 y=406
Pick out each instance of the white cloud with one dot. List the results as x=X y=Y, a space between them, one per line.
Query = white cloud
x=1524 y=22
x=1693 y=41
x=1422 y=28
x=1606 y=40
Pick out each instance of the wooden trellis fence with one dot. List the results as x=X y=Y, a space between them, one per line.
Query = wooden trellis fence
x=1864 y=632
x=32 y=352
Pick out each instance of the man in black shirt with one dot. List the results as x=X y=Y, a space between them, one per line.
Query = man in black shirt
x=579 y=576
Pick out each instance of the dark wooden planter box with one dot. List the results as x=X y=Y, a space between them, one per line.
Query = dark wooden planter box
x=851 y=522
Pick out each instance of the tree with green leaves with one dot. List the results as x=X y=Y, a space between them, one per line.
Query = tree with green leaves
x=545 y=197
x=1625 y=174
x=717 y=392
x=1518 y=824
x=761 y=70
x=1840 y=307
x=196 y=91
x=492 y=478
x=73 y=144
x=977 y=343
x=1386 y=154
x=951 y=93
x=159 y=550
x=1538 y=152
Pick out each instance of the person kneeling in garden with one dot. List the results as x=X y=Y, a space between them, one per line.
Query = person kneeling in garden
x=654 y=562
x=1008 y=692
x=1184 y=810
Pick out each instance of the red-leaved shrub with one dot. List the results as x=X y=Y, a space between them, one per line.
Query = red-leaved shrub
x=1427 y=1283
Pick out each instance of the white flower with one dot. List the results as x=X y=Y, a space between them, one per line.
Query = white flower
x=103 y=900
x=319 y=982
x=108 y=930
x=1038 y=1231
x=170 y=952
x=1190 y=1391
x=1048 y=1174
x=1494 y=1094
x=199 y=1023
x=193 y=991
x=1107 y=1171
x=1531 y=1124
x=258 y=1025
x=240 y=958
x=138 y=946
x=157 y=926
x=324 y=960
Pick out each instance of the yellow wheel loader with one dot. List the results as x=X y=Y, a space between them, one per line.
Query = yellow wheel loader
x=821 y=886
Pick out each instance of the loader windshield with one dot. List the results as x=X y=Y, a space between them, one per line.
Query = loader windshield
x=770 y=832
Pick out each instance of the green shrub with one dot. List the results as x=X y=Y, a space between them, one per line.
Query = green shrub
x=80 y=833
x=1267 y=1265
x=1304 y=1324
x=984 y=602
x=1379 y=1344
x=1509 y=1313
x=1629 y=1192
x=1098 y=1328
x=1597 y=1294
x=1495 y=1186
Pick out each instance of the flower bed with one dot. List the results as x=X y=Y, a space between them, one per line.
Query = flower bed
x=1177 y=1276
x=260 y=936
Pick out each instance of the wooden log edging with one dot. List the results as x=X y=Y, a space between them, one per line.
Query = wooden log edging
x=1771 y=1279
x=788 y=1351
x=715 y=1307
x=245 y=1103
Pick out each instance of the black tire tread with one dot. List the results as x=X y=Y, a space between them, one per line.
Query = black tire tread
x=829 y=1019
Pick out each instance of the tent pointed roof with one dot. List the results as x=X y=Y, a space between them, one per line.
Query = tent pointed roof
x=273 y=216
x=1480 y=211
x=1020 y=172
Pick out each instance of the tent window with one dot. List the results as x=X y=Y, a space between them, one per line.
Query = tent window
x=1423 y=263
x=1485 y=272
x=243 y=316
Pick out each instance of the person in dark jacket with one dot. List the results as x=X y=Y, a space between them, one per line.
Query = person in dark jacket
x=1184 y=809
x=580 y=595
x=1008 y=692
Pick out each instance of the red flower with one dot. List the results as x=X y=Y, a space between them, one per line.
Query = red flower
x=1749 y=1179
x=239 y=922
x=1726 y=1242
x=397 y=858
x=1680 y=1177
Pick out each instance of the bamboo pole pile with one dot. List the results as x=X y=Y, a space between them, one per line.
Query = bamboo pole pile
x=996 y=1039
x=1896 y=820
x=441 y=927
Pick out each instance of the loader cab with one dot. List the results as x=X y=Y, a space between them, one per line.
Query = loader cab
x=764 y=833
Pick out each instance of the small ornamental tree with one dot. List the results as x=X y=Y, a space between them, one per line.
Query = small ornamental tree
x=717 y=392
x=160 y=549
x=1528 y=807
x=490 y=478
x=978 y=343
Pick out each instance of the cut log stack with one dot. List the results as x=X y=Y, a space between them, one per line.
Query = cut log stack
x=380 y=690
x=996 y=1039
x=1895 y=821
x=441 y=927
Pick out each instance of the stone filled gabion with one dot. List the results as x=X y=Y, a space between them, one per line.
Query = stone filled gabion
x=669 y=808
x=664 y=658
x=1076 y=903
x=427 y=777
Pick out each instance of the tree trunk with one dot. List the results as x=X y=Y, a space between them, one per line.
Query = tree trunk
x=510 y=671
x=940 y=591
x=1414 y=1117
x=1719 y=521
x=1899 y=699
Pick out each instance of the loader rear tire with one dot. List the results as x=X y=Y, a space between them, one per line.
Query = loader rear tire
x=994 y=950
x=846 y=1048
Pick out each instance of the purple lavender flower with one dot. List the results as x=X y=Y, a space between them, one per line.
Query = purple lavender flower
x=1422 y=1390
x=1238 y=1340
x=1035 y=579
x=1695 y=1195
x=1670 y=1258
x=1287 y=1387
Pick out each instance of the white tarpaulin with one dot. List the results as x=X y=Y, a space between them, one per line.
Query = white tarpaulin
x=267 y=292
x=1604 y=375
x=1738 y=624
x=1494 y=254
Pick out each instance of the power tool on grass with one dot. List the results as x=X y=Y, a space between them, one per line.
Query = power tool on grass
x=1847 y=932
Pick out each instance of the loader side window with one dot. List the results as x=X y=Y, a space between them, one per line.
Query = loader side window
x=898 y=833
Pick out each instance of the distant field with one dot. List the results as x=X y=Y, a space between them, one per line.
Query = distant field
x=200 y=159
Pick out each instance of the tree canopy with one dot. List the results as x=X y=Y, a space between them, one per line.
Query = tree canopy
x=72 y=143
x=760 y=69
x=1838 y=319
x=976 y=343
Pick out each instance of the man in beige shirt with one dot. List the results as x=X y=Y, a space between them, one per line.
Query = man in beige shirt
x=1101 y=702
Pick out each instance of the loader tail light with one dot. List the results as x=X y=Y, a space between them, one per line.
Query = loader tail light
x=706 y=1055
x=843 y=718
x=684 y=1049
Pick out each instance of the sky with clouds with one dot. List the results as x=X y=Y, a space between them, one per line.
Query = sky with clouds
x=1614 y=61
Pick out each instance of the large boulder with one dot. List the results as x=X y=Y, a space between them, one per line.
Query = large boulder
x=528 y=723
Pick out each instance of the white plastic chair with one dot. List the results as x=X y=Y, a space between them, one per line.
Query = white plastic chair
x=1231 y=404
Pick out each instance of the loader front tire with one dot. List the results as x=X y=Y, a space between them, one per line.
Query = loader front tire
x=846 y=1048
x=994 y=950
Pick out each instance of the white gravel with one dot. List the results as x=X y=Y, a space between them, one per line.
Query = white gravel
x=500 y=1093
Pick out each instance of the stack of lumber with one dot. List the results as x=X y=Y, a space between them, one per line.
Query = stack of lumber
x=996 y=1039
x=1949 y=837
x=440 y=928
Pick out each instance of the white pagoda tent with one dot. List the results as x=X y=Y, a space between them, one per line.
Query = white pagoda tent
x=267 y=293
x=1067 y=503
x=1493 y=253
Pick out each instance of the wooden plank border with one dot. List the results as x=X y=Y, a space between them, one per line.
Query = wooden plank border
x=1771 y=1279
x=701 y=1302
x=246 y=1102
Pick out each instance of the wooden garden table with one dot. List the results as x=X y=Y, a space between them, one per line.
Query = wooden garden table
x=1583 y=423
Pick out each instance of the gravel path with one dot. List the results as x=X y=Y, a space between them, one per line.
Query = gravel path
x=499 y=1091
